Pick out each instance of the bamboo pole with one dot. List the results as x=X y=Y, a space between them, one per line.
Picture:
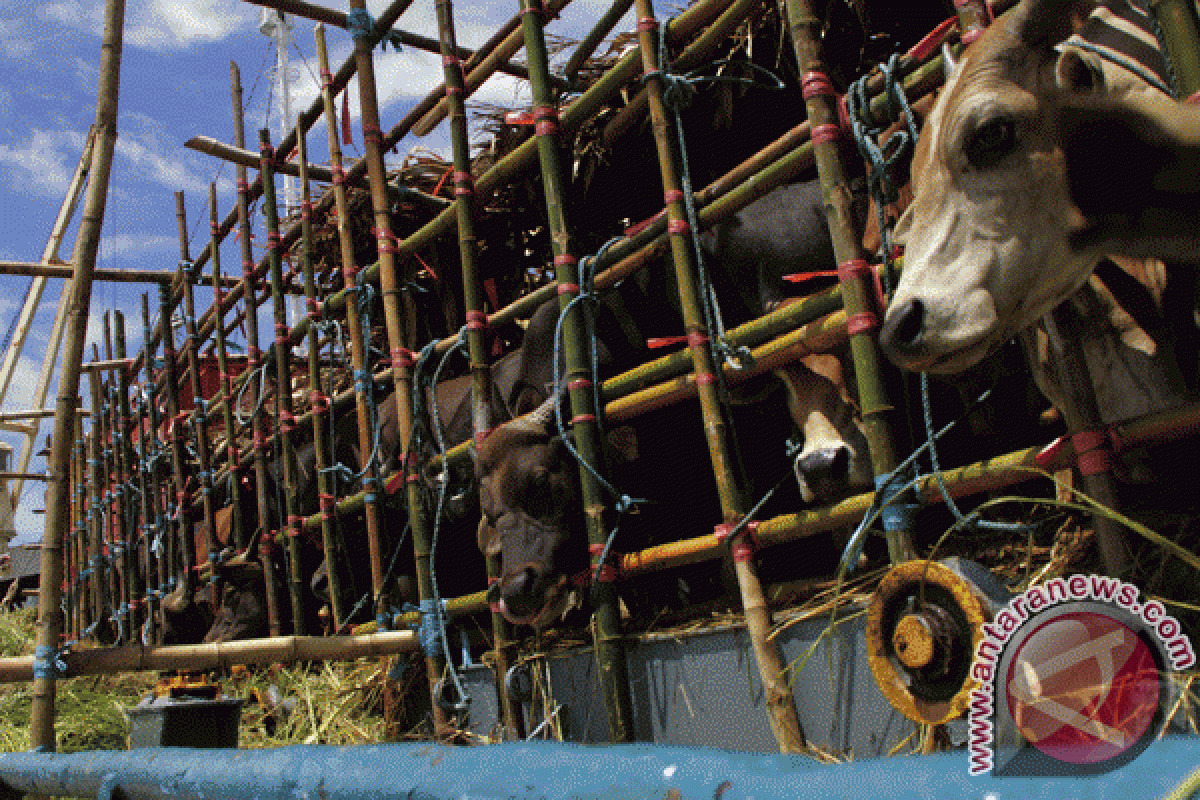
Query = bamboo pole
x=248 y=158
x=50 y=619
x=334 y=558
x=1180 y=35
x=127 y=467
x=856 y=279
x=1089 y=438
x=363 y=380
x=400 y=341
x=146 y=532
x=153 y=449
x=699 y=51
x=184 y=556
x=78 y=547
x=610 y=653
x=781 y=704
x=475 y=76
x=254 y=360
x=382 y=25
x=198 y=418
x=112 y=506
x=231 y=428
x=329 y=16
x=587 y=47
x=283 y=388
x=504 y=647
x=64 y=270
x=219 y=655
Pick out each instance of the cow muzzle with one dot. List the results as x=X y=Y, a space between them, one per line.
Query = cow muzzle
x=529 y=598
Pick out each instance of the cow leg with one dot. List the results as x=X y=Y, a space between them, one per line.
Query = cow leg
x=834 y=458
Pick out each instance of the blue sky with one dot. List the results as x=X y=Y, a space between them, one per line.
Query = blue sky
x=174 y=85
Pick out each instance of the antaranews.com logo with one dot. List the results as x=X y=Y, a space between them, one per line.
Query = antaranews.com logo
x=1074 y=679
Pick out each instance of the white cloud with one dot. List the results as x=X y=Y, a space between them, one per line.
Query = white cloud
x=12 y=44
x=166 y=24
x=45 y=163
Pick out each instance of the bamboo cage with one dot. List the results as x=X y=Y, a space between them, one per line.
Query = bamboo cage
x=365 y=246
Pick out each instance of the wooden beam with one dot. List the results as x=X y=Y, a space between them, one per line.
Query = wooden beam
x=61 y=269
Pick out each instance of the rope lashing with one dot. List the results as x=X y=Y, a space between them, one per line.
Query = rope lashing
x=359 y=25
x=889 y=489
x=587 y=299
x=883 y=159
x=432 y=608
x=48 y=663
x=677 y=93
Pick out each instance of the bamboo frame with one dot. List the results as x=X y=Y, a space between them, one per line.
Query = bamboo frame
x=50 y=616
x=1179 y=38
x=398 y=313
x=504 y=647
x=249 y=291
x=722 y=450
x=858 y=290
x=290 y=527
x=358 y=341
x=65 y=270
x=319 y=403
x=127 y=466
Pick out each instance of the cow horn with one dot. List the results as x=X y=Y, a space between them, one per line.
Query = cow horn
x=248 y=554
x=540 y=420
x=1045 y=23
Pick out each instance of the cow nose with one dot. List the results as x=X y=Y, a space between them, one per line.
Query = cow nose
x=518 y=596
x=903 y=325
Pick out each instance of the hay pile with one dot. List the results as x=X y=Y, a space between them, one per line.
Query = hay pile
x=334 y=703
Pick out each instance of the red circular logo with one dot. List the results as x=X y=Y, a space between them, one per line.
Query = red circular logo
x=1083 y=688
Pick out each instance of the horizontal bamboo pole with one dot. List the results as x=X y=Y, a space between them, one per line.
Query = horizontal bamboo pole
x=338 y=20
x=112 y=364
x=23 y=476
x=63 y=269
x=237 y=155
x=36 y=413
x=219 y=655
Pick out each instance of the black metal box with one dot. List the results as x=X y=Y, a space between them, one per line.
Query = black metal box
x=185 y=722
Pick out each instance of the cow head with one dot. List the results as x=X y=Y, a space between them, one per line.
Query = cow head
x=987 y=249
x=529 y=498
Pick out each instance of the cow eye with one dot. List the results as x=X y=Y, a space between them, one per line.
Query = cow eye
x=989 y=143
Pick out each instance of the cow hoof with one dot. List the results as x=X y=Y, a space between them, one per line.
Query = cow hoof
x=823 y=474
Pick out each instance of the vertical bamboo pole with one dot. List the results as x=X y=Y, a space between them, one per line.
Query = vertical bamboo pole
x=128 y=468
x=1180 y=35
x=149 y=514
x=199 y=415
x=231 y=428
x=283 y=389
x=321 y=408
x=164 y=569
x=74 y=567
x=185 y=540
x=610 y=654
x=781 y=703
x=856 y=277
x=400 y=342
x=1090 y=437
x=481 y=376
x=254 y=359
x=112 y=490
x=95 y=508
x=358 y=337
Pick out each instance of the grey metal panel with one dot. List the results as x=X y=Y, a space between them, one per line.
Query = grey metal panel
x=703 y=689
x=483 y=718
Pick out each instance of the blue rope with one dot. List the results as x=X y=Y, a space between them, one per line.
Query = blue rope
x=359 y=25
x=48 y=663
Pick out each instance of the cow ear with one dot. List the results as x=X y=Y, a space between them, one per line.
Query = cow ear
x=1041 y=24
x=528 y=398
x=1074 y=73
x=488 y=538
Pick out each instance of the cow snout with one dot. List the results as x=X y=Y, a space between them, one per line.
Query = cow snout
x=903 y=327
x=520 y=596
x=824 y=473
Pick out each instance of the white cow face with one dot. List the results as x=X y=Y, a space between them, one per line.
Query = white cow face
x=986 y=235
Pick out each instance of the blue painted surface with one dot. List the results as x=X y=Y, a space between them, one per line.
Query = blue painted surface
x=553 y=770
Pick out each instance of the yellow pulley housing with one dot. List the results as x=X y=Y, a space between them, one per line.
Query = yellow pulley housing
x=923 y=625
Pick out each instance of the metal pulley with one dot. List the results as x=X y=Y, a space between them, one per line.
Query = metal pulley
x=923 y=625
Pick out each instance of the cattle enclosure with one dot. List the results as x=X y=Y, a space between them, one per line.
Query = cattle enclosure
x=206 y=497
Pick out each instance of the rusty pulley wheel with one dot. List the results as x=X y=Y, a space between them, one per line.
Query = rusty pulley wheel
x=923 y=625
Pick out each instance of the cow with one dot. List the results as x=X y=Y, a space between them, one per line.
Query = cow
x=987 y=235
x=987 y=249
